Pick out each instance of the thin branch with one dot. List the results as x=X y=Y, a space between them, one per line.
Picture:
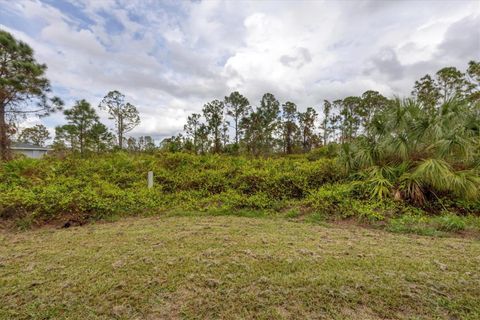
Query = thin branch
x=25 y=111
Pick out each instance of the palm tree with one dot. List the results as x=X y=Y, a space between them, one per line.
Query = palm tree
x=411 y=154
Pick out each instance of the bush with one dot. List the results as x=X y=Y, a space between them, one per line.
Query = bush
x=449 y=222
x=417 y=221
x=332 y=199
x=329 y=151
x=412 y=223
x=110 y=185
x=340 y=200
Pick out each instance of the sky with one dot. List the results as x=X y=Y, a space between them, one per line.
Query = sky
x=171 y=57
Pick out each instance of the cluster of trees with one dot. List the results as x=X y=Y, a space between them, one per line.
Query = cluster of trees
x=416 y=153
x=24 y=90
x=37 y=135
x=425 y=147
x=270 y=128
x=448 y=83
x=84 y=132
x=280 y=128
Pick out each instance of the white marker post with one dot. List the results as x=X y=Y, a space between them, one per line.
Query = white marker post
x=150 y=179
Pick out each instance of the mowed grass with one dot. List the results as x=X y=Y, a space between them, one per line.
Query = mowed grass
x=235 y=268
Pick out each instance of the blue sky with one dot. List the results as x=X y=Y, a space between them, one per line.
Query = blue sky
x=170 y=57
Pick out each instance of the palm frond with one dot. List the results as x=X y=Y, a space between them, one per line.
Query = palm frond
x=466 y=184
x=380 y=186
x=435 y=172
x=410 y=187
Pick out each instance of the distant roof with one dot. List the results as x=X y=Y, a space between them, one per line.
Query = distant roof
x=28 y=146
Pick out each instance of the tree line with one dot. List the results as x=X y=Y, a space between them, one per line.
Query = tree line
x=229 y=125
x=273 y=127
x=85 y=133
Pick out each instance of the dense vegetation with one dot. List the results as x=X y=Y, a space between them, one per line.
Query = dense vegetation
x=310 y=187
x=370 y=156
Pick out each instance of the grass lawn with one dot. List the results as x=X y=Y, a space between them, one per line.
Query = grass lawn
x=235 y=268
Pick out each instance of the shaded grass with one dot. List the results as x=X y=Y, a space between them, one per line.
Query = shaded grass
x=233 y=268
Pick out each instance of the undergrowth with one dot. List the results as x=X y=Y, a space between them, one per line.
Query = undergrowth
x=301 y=187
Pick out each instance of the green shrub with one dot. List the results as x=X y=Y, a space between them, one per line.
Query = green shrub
x=449 y=222
x=293 y=213
x=322 y=172
x=251 y=181
x=419 y=222
x=415 y=223
x=112 y=185
x=329 y=151
x=286 y=185
x=472 y=222
x=332 y=199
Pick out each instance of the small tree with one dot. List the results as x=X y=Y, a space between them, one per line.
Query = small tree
x=83 y=117
x=172 y=144
x=269 y=111
x=259 y=127
x=451 y=82
x=202 y=136
x=473 y=76
x=22 y=83
x=371 y=103
x=66 y=136
x=123 y=113
x=146 y=143
x=289 y=126
x=191 y=129
x=132 y=145
x=36 y=135
x=426 y=92
x=99 y=137
x=253 y=139
x=225 y=136
x=351 y=114
x=307 y=127
x=213 y=113
x=237 y=107
x=326 y=123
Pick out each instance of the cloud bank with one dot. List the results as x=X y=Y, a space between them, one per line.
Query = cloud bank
x=170 y=57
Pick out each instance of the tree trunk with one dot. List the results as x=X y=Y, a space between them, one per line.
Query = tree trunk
x=305 y=144
x=217 y=141
x=81 y=142
x=195 y=139
x=236 y=130
x=325 y=133
x=4 y=143
x=120 y=132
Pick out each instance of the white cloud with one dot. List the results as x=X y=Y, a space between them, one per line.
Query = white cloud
x=169 y=58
